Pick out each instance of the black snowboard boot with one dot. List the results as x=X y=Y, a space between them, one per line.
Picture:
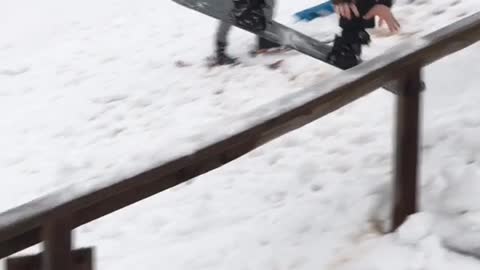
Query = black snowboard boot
x=347 y=49
x=221 y=58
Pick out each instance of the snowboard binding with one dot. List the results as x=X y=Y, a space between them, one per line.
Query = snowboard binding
x=347 y=49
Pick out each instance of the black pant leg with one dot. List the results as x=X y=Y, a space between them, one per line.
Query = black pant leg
x=263 y=43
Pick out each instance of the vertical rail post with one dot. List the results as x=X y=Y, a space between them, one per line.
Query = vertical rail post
x=57 y=239
x=407 y=145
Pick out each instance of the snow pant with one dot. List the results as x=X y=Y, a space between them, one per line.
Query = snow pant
x=224 y=27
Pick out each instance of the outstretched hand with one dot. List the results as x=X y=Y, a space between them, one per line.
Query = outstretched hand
x=385 y=15
x=346 y=9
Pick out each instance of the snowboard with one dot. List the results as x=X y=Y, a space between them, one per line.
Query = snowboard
x=322 y=10
x=275 y=32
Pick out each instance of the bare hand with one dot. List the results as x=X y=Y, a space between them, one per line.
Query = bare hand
x=385 y=16
x=345 y=10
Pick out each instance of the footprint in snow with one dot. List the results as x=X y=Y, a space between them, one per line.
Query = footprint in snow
x=343 y=168
x=14 y=71
x=307 y=172
x=79 y=79
x=316 y=187
x=337 y=151
x=420 y=2
x=264 y=242
x=362 y=139
x=437 y=12
x=275 y=158
x=7 y=46
x=182 y=64
x=107 y=60
x=276 y=197
x=141 y=102
x=455 y=2
x=109 y=98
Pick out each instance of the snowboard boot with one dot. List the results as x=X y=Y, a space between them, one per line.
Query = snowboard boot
x=221 y=58
x=347 y=49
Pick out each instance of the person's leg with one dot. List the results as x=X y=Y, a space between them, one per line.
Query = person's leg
x=221 y=44
x=265 y=44
x=222 y=32
x=247 y=14
x=347 y=47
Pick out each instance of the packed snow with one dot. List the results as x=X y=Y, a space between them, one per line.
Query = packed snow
x=93 y=91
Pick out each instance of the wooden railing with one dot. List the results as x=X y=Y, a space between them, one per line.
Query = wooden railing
x=51 y=219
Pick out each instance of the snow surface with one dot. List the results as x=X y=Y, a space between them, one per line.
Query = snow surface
x=97 y=90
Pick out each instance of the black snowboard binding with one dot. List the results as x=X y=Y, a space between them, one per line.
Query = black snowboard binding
x=347 y=49
x=249 y=14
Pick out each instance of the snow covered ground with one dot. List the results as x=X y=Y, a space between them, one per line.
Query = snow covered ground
x=91 y=90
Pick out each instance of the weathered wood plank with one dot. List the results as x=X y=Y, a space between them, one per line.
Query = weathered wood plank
x=290 y=113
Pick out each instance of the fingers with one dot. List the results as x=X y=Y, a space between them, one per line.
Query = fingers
x=392 y=24
x=346 y=10
x=385 y=16
x=396 y=23
x=370 y=14
x=353 y=7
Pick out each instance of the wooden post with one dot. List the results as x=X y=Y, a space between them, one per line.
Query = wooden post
x=57 y=245
x=407 y=146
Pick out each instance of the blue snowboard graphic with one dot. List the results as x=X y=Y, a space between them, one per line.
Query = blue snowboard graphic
x=314 y=12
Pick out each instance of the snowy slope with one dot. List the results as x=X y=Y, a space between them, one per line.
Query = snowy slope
x=90 y=91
